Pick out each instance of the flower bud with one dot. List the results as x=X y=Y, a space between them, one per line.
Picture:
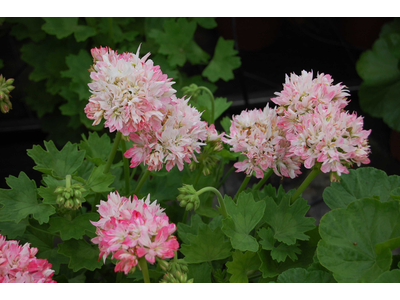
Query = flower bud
x=59 y=190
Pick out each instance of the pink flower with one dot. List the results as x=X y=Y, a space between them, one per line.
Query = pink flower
x=18 y=264
x=177 y=140
x=129 y=92
x=256 y=135
x=130 y=229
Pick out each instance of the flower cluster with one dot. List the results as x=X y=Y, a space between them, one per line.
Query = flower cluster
x=311 y=114
x=130 y=229
x=18 y=264
x=256 y=135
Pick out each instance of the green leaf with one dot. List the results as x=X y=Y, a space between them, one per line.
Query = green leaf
x=201 y=273
x=288 y=221
x=389 y=277
x=223 y=62
x=82 y=255
x=350 y=237
x=28 y=28
x=204 y=105
x=54 y=162
x=184 y=230
x=243 y=217
x=63 y=27
x=226 y=124
x=206 y=22
x=267 y=238
x=82 y=32
x=21 y=201
x=97 y=148
x=99 y=182
x=206 y=246
x=379 y=70
x=73 y=229
x=300 y=275
x=243 y=264
x=47 y=192
x=13 y=230
x=360 y=183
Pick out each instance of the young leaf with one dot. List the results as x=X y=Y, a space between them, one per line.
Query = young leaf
x=82 y=255
x=21 y=201
x=206 y=246
x=54 y=162
x=288 y=221
x=243 y=217
x=74 y=229
x=300 y=275
x=356 y=240
x=360 y=183
x=242 y=265
x=223 y=62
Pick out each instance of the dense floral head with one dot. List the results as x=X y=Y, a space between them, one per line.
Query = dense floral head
x=256 y=135
x=302 y=94
x=18 y=264
x=181 y=134
x=130 y=229
x=129 y=92
x=334 y=138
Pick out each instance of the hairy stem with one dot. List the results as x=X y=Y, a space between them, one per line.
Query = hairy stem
x=219 y=196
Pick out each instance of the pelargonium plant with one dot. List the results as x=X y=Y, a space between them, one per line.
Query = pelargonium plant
x=145 y=200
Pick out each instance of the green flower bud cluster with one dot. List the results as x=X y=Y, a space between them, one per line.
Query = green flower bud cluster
x=70 y=197
x=188 y=197
x=176 y=271
x=5 y=89
x=192 y=91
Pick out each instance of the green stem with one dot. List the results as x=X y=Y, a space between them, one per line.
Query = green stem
x=112 y=153
x=212 y=101
x=263 y=180
x=126 y=168
x=185 y=215
x=242 y=187
x=315 y=171
x=119 y=277
x=111 y=32
x=219 y=196
x=141 y=182
x=41 y=230
x=225 y=177
x=143 y=266
x=196 y=180
x=68 y=182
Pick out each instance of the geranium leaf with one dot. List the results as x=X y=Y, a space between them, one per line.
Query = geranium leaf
x=206 y=246
x=360 y=183
x=223 y=62
x=206 y=22
x=73 y=229
x=243 y=217
x=54 y=162
x=21 y=201
x=99 y=182
x=13 y=230
x=60 y=27
x=392 y=276
x=356 y=241
x=28 y=28
x=267 y=238
x=97 y=148
x=82 y=32
x=242 y=265
x=82 y=255
x=204 y=105
x=300 y=275
x=201 y=273
x=287 y=220
x=184 y=230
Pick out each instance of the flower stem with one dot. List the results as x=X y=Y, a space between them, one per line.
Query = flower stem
x=111 y=31
x=126 y=168
x=315 y=171
x=112 y=153
x=242 y=187
x=141 y=182
x=263 y=180
x=212 y=101
x=196 y=180
x=219 y=196
x=185 y=215
x=225 y=177
x=143 y=266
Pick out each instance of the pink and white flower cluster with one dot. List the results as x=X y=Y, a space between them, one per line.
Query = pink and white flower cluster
x=318 y=129
x=256 y=135
x=136 y=98
x=130 y=229
x=18 y=264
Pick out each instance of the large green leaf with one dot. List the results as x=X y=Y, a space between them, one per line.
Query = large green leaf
x=12 y=229
x=82 y=255
x=379 y=68
x=361 y=183
x=392 y=276
x=201 y=273
x=73 y=229
x=21 y=201
x=243 y=264
x=97 y=148
x=300 y=275
x=54 y=162
x=65 y=26
x=204 y=105
x=357 y=241
x=243 y=217
x=223 y=62
x=287 y=220
x=99 y=182
x=27 y=27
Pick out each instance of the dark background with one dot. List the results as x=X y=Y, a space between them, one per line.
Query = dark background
x=269 y=48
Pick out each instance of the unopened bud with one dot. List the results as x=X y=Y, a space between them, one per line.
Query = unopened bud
x=59 y=190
